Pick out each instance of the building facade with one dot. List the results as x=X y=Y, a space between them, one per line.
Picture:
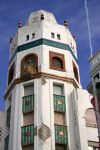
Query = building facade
x=94 y=86
x=45 y=105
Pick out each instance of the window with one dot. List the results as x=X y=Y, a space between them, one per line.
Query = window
x=27 y=37
x=57 y=89
x=29 y=66
x=58 y=36
x=6 y=143
x=11 y=74
x=92 y=148
x=52 y=35
x=60 y=147
x=29 y=90
x=0 y=134
x=8 y=116
x=33 y=35
x=75 y=70
x=57 y=61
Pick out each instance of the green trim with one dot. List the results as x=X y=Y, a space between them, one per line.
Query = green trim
x=27 y=134
x=42 y=42
x=61 y=139
x=59 y=103
x=28 y=103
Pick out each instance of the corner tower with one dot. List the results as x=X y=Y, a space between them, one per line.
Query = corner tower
x=42 y=74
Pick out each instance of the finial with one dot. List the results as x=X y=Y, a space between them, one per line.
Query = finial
x=65 y=23
x=42 y=16
x=74 y=37
x=19 y=24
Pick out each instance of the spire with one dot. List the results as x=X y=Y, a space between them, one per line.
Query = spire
x=19 y=24
x=74 y=37
x=65 y=23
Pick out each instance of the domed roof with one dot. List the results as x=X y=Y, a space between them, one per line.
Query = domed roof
x=36 y=16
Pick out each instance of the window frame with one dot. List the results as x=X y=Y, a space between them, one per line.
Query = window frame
x=58 y=36
x=57 y=55
x=10 y=74
x=75 y=70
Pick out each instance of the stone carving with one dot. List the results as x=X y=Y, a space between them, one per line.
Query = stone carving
x=44 y=132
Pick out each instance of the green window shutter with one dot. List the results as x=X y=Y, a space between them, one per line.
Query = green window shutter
x=59 y=103
x=27 y=135
x=28 y=103
x=61 y=134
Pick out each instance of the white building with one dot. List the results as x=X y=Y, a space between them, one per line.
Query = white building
x=45 y=103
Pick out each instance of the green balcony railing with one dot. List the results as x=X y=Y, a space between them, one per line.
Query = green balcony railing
x=59 y=103
x=61 y=134
x=8 y=117
x=28 y=103
x=6 y=143
x=27 y=135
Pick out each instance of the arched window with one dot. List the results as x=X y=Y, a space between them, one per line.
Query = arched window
x=29 y=66
x=57 y=61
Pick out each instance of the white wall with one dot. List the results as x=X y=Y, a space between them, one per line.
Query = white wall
x=2 y=129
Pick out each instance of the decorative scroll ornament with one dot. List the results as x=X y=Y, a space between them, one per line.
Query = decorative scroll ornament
x=44 y=132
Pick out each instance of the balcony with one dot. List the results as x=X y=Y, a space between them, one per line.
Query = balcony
x=61 y=134
x=28 y=103
x=59 y=103
x=27 y=135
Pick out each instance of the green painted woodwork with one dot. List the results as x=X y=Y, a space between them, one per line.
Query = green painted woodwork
x=61 y=134
x=6 y=143
x=43 y=42
x=28 y=103
x=59 y=103
x=8 y=117
x=27 y=135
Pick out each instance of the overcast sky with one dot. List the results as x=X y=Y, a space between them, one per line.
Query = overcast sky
x=71 y=10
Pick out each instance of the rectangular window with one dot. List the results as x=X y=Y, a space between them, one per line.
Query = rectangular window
x=27 y=37
x=58 y=36
x=29 y=90
x=75 y=70
x=28 y=99
x=52 y=35
x=11 y=73
x=33 y=35
x=8 y=116
x=58 y=89
x=6 y=143
x=60 y=147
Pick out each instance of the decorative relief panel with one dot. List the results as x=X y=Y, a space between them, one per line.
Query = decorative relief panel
x=29 y=66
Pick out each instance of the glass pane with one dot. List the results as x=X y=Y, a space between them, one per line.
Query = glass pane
x=29 y=90
x=58 y=89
